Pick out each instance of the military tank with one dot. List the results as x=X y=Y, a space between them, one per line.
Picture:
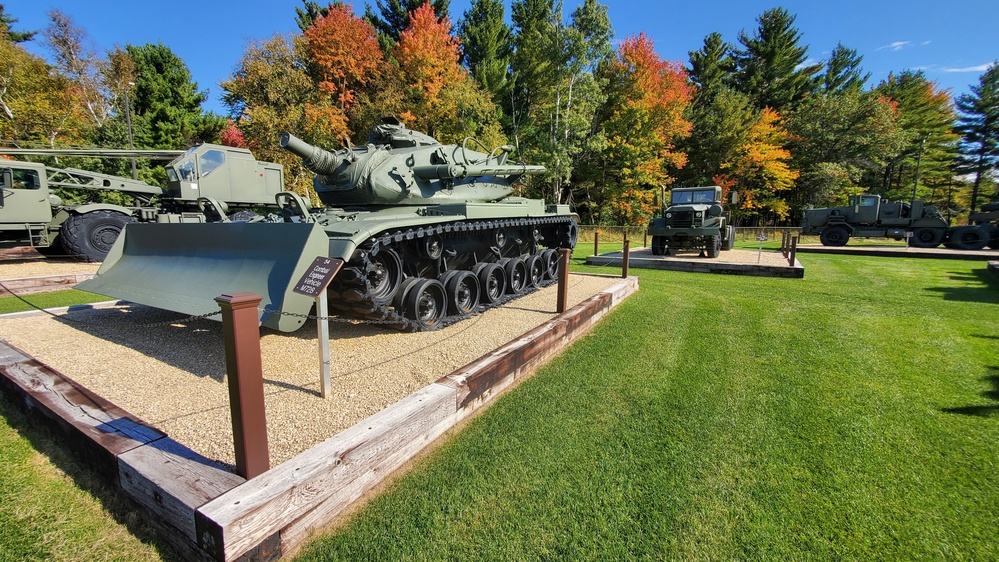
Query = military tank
x=429 y=233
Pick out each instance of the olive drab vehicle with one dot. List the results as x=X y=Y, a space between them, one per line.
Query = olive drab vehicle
x=693 y=220
x=429 y=233
x=204 y=184
x=869 y=216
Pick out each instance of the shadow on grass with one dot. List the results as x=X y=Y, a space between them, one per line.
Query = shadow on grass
x=120 y=508
x=986 y=410
x=986 y=292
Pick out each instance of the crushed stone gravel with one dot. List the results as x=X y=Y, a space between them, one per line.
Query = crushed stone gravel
x=172 y=375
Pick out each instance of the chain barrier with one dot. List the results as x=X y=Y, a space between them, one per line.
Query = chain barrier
x=67 y=318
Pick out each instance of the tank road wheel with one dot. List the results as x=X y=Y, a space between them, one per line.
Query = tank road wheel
x=425 y=303
x=492 y=282
x=549 y=260
x=462 y=289
x=929 y=237
x=967 y=237
x=535 y=270
x=714 y=245
x=836 y=235
x=384 y=276
x=658 y=245
x=516 y=275
x=89 y=236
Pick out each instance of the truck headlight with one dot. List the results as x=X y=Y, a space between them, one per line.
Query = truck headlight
x=669 y=215
x=697 y=214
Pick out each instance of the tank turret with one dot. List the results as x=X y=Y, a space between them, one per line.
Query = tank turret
x=399 y=166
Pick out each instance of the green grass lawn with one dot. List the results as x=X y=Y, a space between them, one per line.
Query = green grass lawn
x=849 y=415
x=52 y=299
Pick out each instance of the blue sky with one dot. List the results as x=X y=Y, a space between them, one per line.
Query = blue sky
x=952 y=42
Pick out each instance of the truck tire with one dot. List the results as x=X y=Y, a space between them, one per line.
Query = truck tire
x=89 y=236
x=658 y=245
x=969 y=238
x=927 y=237
x=714 y=245
x=729 y=240
x=836 y=235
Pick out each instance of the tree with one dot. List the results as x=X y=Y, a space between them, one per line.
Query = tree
x=7 y=29
x=978 y=125
x=166 y=103
x=441 y=98
x=711 y=68
x=927 y=116
x=78 y=61
x=555 y=99
x=488 y=46
x=759 y=168
x=38 y=106
x=770 y=68
x=720 y=124
x=269 y=93
x=345 y=52
x=393 y=17
x=843 y=72
x=648 y=96
x=311 y=11
x=841 y=144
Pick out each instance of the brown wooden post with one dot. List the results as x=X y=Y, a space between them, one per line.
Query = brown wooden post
x=563 y=280
x=794 y=249
x=645 y=239
x=624 y=258
x=596 y=242
x=241 y=330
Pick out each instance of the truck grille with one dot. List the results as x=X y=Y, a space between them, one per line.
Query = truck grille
x=681 y=219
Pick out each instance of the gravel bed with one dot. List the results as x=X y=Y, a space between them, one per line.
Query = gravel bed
x=22 y=268
x=772 y=258
x=172 y=375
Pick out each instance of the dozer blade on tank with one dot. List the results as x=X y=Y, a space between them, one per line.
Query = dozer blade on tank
x=429 y=232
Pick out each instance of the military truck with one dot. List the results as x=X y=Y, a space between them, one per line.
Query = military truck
x=870 y=216
x=204 y=184
x=693 y=220
x=982 y=230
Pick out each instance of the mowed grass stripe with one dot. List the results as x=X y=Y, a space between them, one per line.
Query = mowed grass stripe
x=716 y=417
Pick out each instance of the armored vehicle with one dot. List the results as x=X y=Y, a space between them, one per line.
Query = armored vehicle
x=203 y=184
x=693 y=220
x=868 y=216
x=429 y=233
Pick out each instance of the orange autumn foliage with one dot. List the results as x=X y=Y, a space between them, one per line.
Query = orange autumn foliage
x=345 y=51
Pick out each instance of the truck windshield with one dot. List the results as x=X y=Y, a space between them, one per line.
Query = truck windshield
x=698 y=196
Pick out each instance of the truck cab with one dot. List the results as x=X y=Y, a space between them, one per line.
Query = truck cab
x=26 y=204
x=694 y=219
x=223 y=173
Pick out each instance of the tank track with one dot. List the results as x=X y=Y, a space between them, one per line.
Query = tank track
x=354 y=292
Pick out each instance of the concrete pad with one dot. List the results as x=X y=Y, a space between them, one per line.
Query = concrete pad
x=732 y=262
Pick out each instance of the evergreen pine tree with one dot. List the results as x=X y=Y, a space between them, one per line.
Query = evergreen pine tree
x=978 y=124
x=770 y=66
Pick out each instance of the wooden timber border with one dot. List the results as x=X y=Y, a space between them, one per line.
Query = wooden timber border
x=29 y=285
x=207 y=513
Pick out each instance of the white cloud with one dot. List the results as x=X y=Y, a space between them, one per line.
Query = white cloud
x=925 y=43
x=895 y=46
x=808 y=62
x=979 y=68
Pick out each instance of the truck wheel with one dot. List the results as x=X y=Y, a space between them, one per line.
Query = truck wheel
x=729 y=240
x=929 y=237
x=658 y=245
x=714 y=245
x=969 y=238
x=994 y=243
x=834 y=236
x=89 y=236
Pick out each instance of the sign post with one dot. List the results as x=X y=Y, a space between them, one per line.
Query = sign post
x=313 y=283
x=761 y=237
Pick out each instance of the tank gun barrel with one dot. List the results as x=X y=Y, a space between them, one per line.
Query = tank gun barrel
x=459 y=171
x=314 y=158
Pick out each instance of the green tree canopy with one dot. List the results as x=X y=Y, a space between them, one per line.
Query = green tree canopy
x=978 y=124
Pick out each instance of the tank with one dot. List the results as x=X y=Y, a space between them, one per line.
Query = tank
x=429 y=233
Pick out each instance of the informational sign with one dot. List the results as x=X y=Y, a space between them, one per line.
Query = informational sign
x=761 y=237
x=318 y=276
